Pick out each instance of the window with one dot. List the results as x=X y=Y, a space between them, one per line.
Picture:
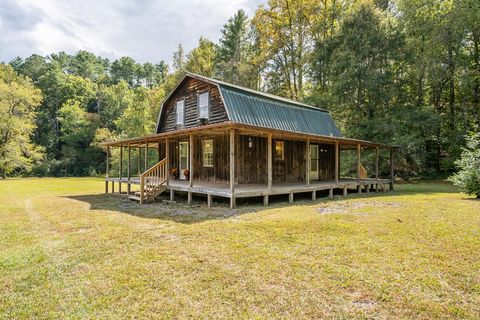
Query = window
x=203 y=105
x=279 y=150
x=180 y=111
x=207 y=152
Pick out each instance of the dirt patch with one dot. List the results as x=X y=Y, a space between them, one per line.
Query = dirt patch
x=354 y=207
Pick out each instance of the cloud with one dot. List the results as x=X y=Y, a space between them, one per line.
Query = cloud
x=147 y=30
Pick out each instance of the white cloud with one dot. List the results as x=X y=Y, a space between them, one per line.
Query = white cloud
x=147 y=30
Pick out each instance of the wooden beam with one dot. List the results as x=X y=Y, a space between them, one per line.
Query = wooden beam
x=139 y=159
x=359 y=148
x=146 y=156
x=265 y=200
x=337 y=161
x=167 y=155
x=376 y=163
x=189 y=197
x=190 y=160
x=392 y=177
x=269 y=161
x=129 y=189
x=209 y=200
x=232 y=168
x=159 y=155
x=120 y=171
x=106 y=170
x=314 y=195
x=330 y=193
x=308 y=162
x=290 y=197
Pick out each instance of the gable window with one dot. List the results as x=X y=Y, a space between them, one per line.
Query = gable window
x=207 y=152
x=203 y=100
x=279 y=150
x=180 y=111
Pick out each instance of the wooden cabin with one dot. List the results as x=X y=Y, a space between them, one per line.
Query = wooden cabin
x=222 y=140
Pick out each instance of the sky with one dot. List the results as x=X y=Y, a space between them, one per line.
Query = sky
x=146 y=30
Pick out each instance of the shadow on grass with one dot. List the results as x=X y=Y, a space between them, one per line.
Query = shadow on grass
x=181 y=212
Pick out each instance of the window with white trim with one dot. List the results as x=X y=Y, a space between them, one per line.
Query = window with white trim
x=203 y=105
x=180 y=111
x=207 y=152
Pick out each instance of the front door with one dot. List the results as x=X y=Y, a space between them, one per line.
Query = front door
x=183 y=159
x=313 y=162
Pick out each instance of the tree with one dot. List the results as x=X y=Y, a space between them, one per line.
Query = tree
x=201 y=60
x=18 y=102
x=468 y=176
x=179 y=59
x=112 y=102
x=234 y=60
x=77 y=132
x=285 y=40
x=86 y=65
x=124 y=69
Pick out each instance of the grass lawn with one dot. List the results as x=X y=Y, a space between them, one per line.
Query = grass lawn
x=69 y=251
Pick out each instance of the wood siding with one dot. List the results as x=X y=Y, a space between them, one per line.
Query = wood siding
x=326 y=162
x=293 y=167
x=251 y=160
x=189 y=90
x=220 y=172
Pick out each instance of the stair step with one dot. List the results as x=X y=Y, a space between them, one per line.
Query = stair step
x=135 y=198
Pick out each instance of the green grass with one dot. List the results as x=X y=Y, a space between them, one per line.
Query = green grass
x=69 y=251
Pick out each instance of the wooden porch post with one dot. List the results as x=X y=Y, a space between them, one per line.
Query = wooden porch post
x=106 y=171
x=376 y=169
x=391 y=169
x=192 y=150
x=139 y=159
x=358 y=161
x=128 y=170
x=269 y=162
x=337 y=164
x=308 y=162
x=168 y=160
x=359 y=187
x=120 y=171
x=159 y=156
x=146 y=156
x=232 y=168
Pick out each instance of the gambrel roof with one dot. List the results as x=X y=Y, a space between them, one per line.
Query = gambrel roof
x=250 y=107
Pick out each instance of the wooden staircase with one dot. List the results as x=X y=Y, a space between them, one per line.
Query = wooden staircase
x=152 y=183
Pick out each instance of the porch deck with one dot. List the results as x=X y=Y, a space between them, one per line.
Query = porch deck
x=257 y=190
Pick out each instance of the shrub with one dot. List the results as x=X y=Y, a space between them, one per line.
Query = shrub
x=468 y=176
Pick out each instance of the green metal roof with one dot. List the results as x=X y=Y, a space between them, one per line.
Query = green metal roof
x=263 y=110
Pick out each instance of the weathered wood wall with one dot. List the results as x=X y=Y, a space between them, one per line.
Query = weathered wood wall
x=326 y=162
x=220 y=171
x=189 y=90
x=251 y=160
x=292 y=169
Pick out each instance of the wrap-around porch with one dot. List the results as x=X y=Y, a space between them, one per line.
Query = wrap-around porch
x=246 y=161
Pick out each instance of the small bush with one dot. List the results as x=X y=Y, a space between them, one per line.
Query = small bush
x=468 y=176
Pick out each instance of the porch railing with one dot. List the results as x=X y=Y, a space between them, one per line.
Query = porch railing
x=153 y=178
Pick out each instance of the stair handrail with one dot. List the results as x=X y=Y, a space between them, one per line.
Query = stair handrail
x=153 y=178
x=363 y=172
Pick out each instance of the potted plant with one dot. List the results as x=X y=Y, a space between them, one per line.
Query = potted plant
x=175 y=173
x=186 y=173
